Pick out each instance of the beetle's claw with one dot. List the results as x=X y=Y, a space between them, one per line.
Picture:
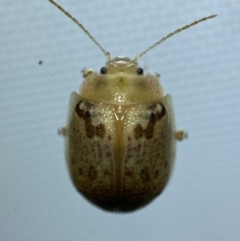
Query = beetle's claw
x=62 y=131
x=180 y=135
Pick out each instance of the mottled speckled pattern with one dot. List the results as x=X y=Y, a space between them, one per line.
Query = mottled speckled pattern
x=120 y=138
x=120 y=135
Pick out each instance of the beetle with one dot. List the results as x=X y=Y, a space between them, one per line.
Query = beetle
x=120 y=137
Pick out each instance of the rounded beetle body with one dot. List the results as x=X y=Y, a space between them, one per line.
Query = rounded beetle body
x=120 y=139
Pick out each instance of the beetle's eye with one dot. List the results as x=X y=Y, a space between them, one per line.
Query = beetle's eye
x=103 y=70
x=139 y=71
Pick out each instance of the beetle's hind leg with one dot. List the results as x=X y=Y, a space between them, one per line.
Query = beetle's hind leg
x=63 y=131
x=180 y=135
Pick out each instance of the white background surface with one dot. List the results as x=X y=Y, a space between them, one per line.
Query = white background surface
x=199 y=67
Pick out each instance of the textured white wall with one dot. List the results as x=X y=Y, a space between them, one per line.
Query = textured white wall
x=200 y=68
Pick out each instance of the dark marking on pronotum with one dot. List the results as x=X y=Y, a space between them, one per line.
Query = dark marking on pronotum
x=158 y=111
x=85 y=110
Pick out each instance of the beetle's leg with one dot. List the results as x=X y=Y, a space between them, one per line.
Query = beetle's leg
x=86 y=72
x=62 y=131
x=180 y=135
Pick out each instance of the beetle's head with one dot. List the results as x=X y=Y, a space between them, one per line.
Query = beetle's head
x=122 y=65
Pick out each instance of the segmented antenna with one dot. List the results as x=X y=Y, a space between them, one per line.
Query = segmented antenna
x=171 y=34
x=138 y=56
x=106 y=53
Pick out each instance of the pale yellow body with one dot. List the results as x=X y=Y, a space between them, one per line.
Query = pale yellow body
x=120 y=137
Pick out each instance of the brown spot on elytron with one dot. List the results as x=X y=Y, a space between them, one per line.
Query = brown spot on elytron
x=145 y=176
x=92 y=173
x=107 y=173
x=149 y=131
x=160 y=111
x=85 y=111
x=89 y=128
x=138 y=131
x=157 y=112
x=128 y=173
x=82 y=107
x=166 y=164
x=100 y=130
x=80 y=171
x=156 y=173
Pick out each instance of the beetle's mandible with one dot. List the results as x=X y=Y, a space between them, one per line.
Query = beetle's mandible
x=120 y=137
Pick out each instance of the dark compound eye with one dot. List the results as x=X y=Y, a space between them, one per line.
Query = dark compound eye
x=139 y=71
x=103 y=70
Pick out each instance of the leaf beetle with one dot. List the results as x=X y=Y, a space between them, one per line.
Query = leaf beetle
x=120 y=137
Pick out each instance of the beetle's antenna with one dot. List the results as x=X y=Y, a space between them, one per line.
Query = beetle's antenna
x=171 y=34
x=107 y=54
